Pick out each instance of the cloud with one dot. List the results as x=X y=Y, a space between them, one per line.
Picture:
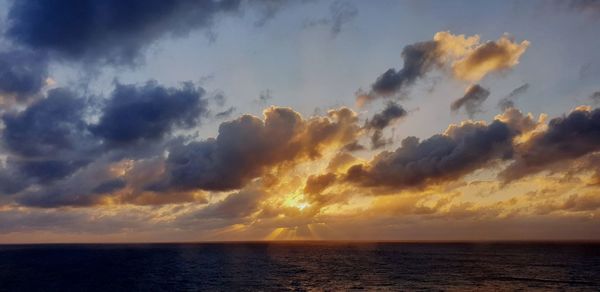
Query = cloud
x=465 y=58
x=472 y=100
x=79 y=222
x=247 y=146
x=226 y=113
x=378 y=141
x=149 y=112
x=46 y=128
x=591 y=7
x=566 y=138
x=109 y=186
x=49 y=140
x=219 y=98
x=519 y=122
x=268 y=9
x=341 y=13
x=419 y=59
x=23 y=74
x=340 y=161
x=10 y=182
x=353 y=146
x=113 y=31
x=490 y=57
x=595 y=97
x=236 y=205
x=265 y=96
x=508 y=101
x=443 y=157
x=391 y=113
x=315 y=184
x=586 y=202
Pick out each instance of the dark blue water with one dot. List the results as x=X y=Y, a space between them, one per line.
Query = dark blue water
x=300 y=266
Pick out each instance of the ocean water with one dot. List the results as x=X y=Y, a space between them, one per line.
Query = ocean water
x=300 y=266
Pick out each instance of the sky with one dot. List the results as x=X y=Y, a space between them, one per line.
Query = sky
x=219 y=120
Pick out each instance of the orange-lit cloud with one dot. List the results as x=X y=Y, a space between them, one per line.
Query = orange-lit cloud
x=464 y=58
x=490 y=57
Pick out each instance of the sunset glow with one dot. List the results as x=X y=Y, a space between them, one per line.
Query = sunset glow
x=286 y=120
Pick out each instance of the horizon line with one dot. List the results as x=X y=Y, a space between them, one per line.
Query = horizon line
x=316 y=241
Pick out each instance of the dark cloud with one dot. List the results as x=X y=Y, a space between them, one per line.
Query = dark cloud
x=418 y=58
x=566 y=138
x=149 y=112
x=22 y=74
x=109 y=186
x=106 y=181
x=519 y=90
x=48 y=127
x=111 y=31
x=509 y=100
x=247 y=146
x=378 y=141
x=49 y=140
x=461 y=150
x=54 y=196
x=472 y=100
x=392 y=112
x=380 y=121
x=10 y=182
x=48 y=170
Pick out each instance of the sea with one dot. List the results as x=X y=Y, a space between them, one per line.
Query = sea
x=301 y=266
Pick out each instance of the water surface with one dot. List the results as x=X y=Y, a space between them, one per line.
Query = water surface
x=300 y=266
